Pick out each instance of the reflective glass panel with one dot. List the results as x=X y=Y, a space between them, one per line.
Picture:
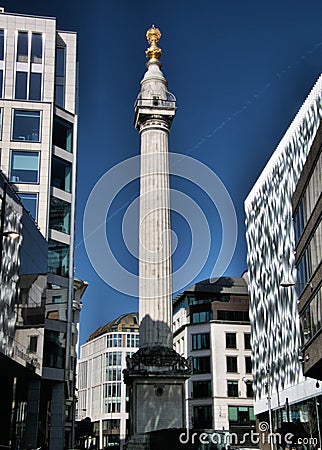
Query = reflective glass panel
x=21 y=85
x=22 y=49
x=63 y=134
x=26 y=126
x=36 y=48
x=61 y=174
x=24 y=167
x=1 y=45
x=59 y=216
x=30 y=202
x=58 y=258
x=35 y=86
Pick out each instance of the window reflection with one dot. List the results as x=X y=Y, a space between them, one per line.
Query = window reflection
x=24 y=167
x=58 y=258
x=26 y=125
x=59 y=216
x=61 y=174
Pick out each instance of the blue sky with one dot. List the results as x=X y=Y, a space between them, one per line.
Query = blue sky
x=239 y=70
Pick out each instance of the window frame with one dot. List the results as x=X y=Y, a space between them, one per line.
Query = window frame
x=13 y=124
x=231 y=358
x=12 y=151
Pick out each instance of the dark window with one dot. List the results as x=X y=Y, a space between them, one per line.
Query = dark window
x=1 y=83
x=231 y=362
x=59 y=216
x=30 y=202
x=60 y=95
x=22 y=50
x=202 y=416
x=249 y=389
x=35 y=86
x=60 y=76
x=1 y=45
x=200 y=341
x=201 y=388
x=54 y=349
x=36 y=48
x=247 y=344
x=232 y=388
x=231 y=340
x=63 y=134
x=21 y=85
x=233 y=316
x=60 y=61
x=241 y=415
x=61 y=174
x=24 y=167
x=58 y=258
x=202 y=316
x=201 y=364
x=26 y=125
x=33 y=340
x=248 y=364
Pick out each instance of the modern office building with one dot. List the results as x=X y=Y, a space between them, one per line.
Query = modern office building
x=281 y=391
x=38 y=109
x=307 y=215
x=23 y=271
x=211 y=326
x=102 y=395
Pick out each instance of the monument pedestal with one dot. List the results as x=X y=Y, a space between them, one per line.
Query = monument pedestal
x=156 y=378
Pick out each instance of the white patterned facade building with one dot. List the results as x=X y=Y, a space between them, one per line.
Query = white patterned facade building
x=276 y=338
x=102 y=395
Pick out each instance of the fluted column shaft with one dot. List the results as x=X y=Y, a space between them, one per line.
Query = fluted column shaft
x=155 y=267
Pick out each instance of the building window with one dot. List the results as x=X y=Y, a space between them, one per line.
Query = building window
x=232 y=388
x=59 y=215
x=132 y=340
x=35 y=86
x=249 y=389
x=248 y=364
x=60 y=76
x=61 y=174
x=36 y=48
x=247 y=345
x=241 y=415
x=33 y=341
x=22 y=48
x=1 y=83
x=201 y=389
x=202 y=416
x=58 y=258
x=63 y=134
x=201 y=364
x=231 y=340
x=26 y=126
x=233 y=316
x=30 y=202
x=1 y=115
x=24 y=167
x=54 y=349
x=21 y=85
x=200 y=317
x=1 y=45
x=200 y=341
x=231 y=362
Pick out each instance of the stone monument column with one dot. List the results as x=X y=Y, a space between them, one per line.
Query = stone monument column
x=156 y=374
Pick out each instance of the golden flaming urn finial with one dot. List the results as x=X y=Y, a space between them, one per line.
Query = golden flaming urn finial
x=153 y=36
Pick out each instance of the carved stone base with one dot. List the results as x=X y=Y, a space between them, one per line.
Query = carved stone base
x=156 y=378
